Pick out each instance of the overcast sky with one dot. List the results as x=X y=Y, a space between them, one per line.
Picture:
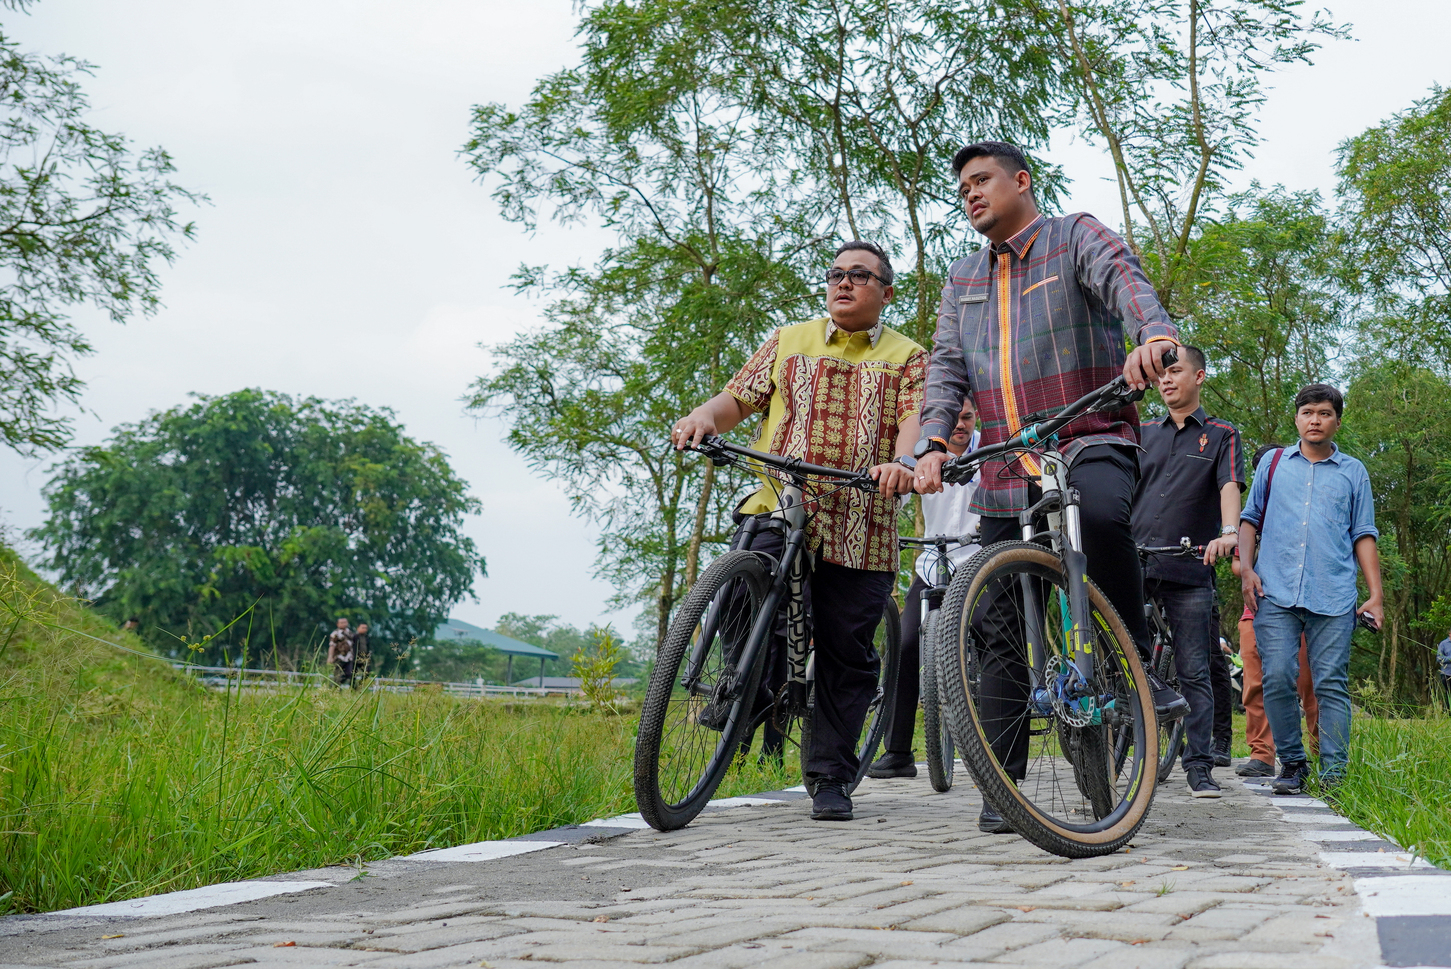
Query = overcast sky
x=347 y=252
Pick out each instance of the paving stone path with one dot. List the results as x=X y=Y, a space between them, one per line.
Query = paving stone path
x=1243 y=881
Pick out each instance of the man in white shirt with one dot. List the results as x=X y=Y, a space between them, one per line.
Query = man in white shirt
x=948 y=512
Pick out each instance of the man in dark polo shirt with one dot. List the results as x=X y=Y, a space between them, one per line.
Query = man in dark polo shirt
x=1193 y=475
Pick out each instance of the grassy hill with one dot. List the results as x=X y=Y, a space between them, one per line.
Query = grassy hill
x=120 y=777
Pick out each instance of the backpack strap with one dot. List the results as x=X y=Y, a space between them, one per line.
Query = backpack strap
x=1270 y=483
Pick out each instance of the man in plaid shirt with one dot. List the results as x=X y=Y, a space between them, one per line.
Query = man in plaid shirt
x=1032 y=322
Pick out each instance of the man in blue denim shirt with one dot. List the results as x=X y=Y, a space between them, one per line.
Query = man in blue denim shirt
x=1318 y=524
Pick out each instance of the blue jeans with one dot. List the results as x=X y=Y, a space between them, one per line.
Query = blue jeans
x=1277 y=637
x=1190 y=612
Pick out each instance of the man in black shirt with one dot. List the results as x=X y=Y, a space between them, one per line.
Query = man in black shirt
x=1193 y=474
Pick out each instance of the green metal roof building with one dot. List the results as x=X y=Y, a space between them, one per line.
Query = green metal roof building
x=458 y=631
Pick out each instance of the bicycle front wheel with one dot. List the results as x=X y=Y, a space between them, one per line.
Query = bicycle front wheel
x=936 y=735
x=1047 y=765
x=696 y=709
x=887 y=641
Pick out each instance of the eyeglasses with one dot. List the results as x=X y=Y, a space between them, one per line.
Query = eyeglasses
x=858 y=277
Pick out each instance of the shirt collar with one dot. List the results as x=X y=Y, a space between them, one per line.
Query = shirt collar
x=874 y=334
x=1198 y=417
x=1021 y=240
x=1334 y=458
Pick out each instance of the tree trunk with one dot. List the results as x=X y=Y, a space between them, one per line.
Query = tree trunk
x=697 y=532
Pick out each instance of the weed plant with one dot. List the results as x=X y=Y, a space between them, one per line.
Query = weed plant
x=120 y=777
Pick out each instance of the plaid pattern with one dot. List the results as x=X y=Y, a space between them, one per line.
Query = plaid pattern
x=835 y=398
x=1033 y=324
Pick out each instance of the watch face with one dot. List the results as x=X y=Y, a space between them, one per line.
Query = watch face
x=909 y=463
x=921 y=448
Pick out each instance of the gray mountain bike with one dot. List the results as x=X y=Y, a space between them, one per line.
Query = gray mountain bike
x=1046 y=696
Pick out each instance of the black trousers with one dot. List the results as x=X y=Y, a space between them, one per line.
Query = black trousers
x=1223 y=686
x=1190 y=611
x=1105 y=476
x=904 y=708
x=844 y=608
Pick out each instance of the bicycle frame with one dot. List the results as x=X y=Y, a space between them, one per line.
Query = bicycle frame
x=788 y=572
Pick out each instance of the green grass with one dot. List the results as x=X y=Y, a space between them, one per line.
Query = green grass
x=1399 y=783
x=120 y=778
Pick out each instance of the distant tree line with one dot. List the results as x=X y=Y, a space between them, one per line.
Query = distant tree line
x=731 y=145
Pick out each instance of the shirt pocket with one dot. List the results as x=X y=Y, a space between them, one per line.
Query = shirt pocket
x=1330 y=500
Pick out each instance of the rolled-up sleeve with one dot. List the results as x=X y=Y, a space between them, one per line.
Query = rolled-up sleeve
x=947 y=384
x=1254 y=506
x=909 y=391
x=753 y=384
x=1108 y=269
x=1362 y=508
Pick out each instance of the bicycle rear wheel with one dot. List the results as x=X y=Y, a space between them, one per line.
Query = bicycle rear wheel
x=936 y=734
x=695 y=711
x=1046 y=765
x=1171 y=732
x=887 y=640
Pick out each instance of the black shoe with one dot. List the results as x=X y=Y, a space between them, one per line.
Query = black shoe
x=1168 y=703
x=830 y=802
x=1255 y=768
x=991 y=822
x=1201 y=783
x=894 y=763
x=1292 y=779
x=1221 y=754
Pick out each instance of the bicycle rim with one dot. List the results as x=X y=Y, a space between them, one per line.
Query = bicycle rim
x=694 y=713
x=936 y=734
x=1073 y=798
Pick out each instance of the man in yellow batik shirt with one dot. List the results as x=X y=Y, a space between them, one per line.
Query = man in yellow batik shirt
x=843 y=391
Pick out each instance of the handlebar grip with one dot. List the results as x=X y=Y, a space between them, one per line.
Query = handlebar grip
x=1170 y=357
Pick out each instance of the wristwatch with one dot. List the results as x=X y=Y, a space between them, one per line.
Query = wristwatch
x=908 y=462
x=1225 y=530
x=929 y=444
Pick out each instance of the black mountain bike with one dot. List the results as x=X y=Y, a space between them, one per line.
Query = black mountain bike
x=1046 y=696
x=936 y=734
x=1171 y=734
x=710 y=690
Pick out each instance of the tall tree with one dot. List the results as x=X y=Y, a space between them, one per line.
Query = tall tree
x=84 y=219
x=275 y=512
x=1173 y=88
x=1395 y=180
x=652 y=137
x=1263 y=300
x=878 y=98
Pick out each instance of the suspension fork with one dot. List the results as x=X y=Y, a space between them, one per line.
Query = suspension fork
x=744 y=540
x=1076 y=565
x=1033 y=610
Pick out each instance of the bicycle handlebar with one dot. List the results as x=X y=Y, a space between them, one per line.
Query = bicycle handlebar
x=1184 y=548
x=928 y=541
x=1111 y=396
x=717 y=449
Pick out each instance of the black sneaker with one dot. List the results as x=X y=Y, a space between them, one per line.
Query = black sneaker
x=1221 y=753
x=1201 y=783
x=991 y=822
x=830 y=802
x=1255 y=768
x=894 y=763
x=1292 y=779
x=1168 y=703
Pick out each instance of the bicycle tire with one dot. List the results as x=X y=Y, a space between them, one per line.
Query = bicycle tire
x=888 y=642
x=1172 y=734
x=1039 y=807
x=680 y=760
x=936 y=734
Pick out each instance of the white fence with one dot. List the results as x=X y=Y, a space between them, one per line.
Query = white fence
x=230 y=677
